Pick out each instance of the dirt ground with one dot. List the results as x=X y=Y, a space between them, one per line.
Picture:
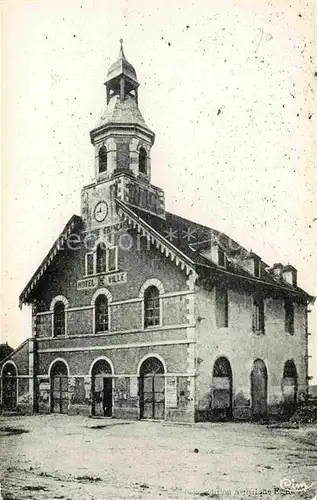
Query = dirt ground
x=62 y=457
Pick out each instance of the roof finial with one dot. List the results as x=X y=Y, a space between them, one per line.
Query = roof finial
x=121 y=47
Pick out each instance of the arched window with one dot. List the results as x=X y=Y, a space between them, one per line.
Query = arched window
x=102 y=159
x=101 y=314
x=290 y=370
x=59 y=319
x=222 y=368
x=151 y=306
x=101 y=258
x=142 y=161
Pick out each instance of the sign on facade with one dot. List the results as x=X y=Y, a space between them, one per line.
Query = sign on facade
x=112 y=279
x=87 y=284
x=134 y=387
x=103 y=280
x=171 y=392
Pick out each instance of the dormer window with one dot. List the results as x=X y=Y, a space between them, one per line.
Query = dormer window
x=103 y=159
x=221 y=258
x=142 y=161
x=290 y=275
x=257 y=268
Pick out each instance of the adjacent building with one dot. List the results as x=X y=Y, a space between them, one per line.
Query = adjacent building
x=140 y=313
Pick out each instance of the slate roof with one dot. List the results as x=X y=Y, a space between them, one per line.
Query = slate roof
x=121 y=67
x=126 y=112
x=186 y=239
x=189 y=237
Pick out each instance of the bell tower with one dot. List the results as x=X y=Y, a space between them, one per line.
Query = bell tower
x=122 y=142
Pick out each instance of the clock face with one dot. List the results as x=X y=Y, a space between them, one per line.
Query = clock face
x=101 y=211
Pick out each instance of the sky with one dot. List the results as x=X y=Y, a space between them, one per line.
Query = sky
x=227 y=86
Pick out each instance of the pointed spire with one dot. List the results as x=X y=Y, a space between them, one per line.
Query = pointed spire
x=121 y=67
x=121 y=78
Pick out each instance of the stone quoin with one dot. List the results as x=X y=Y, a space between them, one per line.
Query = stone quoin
x=165 y=318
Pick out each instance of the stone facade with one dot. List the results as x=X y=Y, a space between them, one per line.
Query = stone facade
x=242 y=346
x=133 y=319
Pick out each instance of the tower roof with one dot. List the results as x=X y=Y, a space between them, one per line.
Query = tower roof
x=121 y=67
x=122 y=112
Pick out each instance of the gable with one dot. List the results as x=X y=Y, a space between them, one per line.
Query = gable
x=171 y=237
x=58 y=248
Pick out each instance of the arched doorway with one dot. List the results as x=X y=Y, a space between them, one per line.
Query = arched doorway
x=101 y=389
x=152 y=389
x=222 y=389
x=289 y=387
x=259 y=389
x=59 y=387
x=9 y=387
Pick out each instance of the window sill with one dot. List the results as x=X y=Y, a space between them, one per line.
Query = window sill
x=95 y=275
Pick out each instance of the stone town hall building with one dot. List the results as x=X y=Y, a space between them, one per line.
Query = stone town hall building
x=140 y=313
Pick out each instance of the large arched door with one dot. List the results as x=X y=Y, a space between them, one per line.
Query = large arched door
x=152 y=389
x=289 y=387
x=101 y=383
x=259 y=389
x=59 y=387
x=9 y=387
x=222 y=389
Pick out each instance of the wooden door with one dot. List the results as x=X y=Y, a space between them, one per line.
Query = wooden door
x=107 y=396
x=59 y=387
x=102 y=396
x=259 y=389
x=9 y=392
x=59 y=394
x=101 y=389
x=289 y=388
x=158 y=397
x=152 y=390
